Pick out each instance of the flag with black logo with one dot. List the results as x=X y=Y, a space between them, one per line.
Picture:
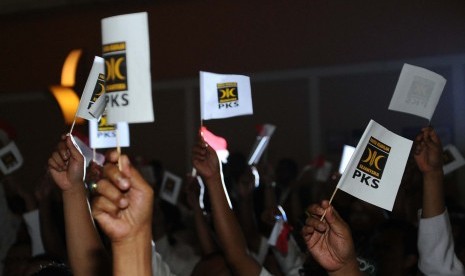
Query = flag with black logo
x=223 y=96
x=10 y=158
x=417 y=91
x=128 y=83
x=376 y=167
x=452 y=159
x=92 y=102
x=104 y=135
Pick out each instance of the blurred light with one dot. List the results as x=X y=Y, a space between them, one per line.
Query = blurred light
x=65 y=95
x=68 y=102
x=68 y=73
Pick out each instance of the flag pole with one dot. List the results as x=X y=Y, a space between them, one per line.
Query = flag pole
x=74 y=122
x=118 y=149
x=330 y=200
x=194 y=171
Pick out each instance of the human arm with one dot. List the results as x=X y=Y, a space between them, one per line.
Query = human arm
x=428 y=156
x=123 y=209
x=207 y=244
x=226 y=225
x=435 y=240
x=86 y=253
x=246 y=212
x=330 y=241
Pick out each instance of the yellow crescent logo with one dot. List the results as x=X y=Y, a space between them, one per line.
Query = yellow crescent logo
x=377 y=161
x=118 y=69
x=373 y=158
x=114 y=69
x=368 y=157
x=227 y=93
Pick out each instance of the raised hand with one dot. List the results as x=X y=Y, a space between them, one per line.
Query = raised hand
x=330 y=241
x=428 y=151
x=66 y=165
x=123 y=206
x=205 y=160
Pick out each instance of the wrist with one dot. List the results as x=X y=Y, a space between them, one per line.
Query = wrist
x=348 y=269
x=435 y=173
x=133 y=256
x=77 y=187
x=213 y=180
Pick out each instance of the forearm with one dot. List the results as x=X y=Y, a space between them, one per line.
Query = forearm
x=248 y=223
x=133 y=257
x=229 y=232
x=433 y=194
x=86 y=253
x=51 y=237
x=207 y=244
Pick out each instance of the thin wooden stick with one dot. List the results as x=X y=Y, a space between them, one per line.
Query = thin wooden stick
x=330 y=200
x=118 y=149
x=72 y=126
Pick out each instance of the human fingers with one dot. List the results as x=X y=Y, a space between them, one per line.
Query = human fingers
x=314 y=213
x=57 y=162
x=101 y=204
x=112 y=156
x=199 y=152
x=137 y=181
x=334 y=220
x=113 y=174
x=431 y=138
x=62 y=149
x=106 y=189
x=74 y=150
x=307 y=232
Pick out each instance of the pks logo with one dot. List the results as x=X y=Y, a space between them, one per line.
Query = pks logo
x=104 y=126
x=99 y=90
x=371 y=166
x=115 y=66
x=228 y=95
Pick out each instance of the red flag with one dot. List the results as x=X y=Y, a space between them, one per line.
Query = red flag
x=283 y=238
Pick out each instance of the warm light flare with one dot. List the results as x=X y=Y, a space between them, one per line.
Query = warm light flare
x=68 y=102
x=68 y=73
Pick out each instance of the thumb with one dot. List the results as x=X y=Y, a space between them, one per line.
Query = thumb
x=334 y=220
x=73 y=147
x=137 y=181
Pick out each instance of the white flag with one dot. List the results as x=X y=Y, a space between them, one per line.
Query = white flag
x=103 y=134
x=375 y=169
x=452 y=159
x=223 y=96
x=128 y=83
x=261 y=143
x=10 y=158
x=89 y=153
x=92 y=102
x=417 y=92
